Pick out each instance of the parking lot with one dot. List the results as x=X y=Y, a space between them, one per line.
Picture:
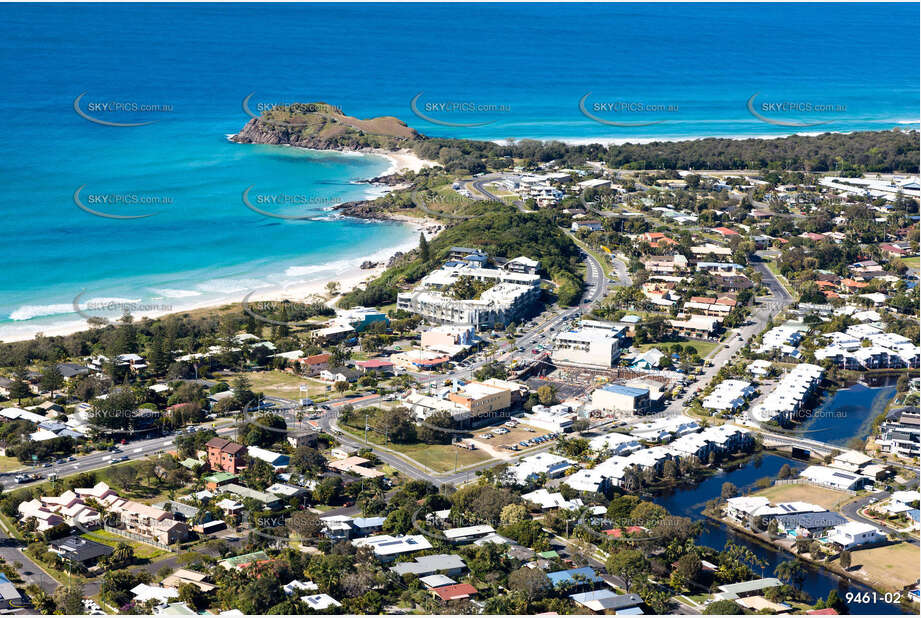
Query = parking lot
x=514 y=436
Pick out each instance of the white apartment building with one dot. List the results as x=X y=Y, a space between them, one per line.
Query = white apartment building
x=591 y=344
x=729 y=395
x=788 y=396
x=499 y=305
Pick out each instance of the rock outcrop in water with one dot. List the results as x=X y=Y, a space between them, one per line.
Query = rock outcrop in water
x=323 y=127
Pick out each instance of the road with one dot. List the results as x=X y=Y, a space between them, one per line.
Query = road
x=11 y=551
x=103 y=459
x=765 y=310
x=850 y=510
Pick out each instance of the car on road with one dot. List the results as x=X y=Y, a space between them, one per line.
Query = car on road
x=120 y=459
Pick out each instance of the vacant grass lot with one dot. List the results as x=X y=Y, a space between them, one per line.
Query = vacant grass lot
x=8 y=464
x=438 y=457
x=703 y=347
x=285 y=385
x=891 y=567
x=828 y=498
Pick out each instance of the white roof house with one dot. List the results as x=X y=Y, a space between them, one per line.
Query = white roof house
x=468 y=533
x=617 y=443
x=586 y=480
x=530 y=468
x=547 y=500
x=144 y=592
x=320 y=601
x=789 y=394
x=855 y=533
x=386 y=546
x=832 y=477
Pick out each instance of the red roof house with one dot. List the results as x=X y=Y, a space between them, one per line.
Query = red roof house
x=456 y=592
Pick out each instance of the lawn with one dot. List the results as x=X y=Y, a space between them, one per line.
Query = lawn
x=282 y=384
x=828 y=498
x=142 y=551
x=8 y=464
x=892 y=567
x=704 y=348
x=913 y=262
x=438 y=457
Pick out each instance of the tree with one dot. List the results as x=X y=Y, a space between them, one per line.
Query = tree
x=845 y=559
x=122 y=555
x=533 y=583
x=341 y=386
x=191 y=595
x=424 y=252
x=724 y=608
x=242 y=392
x=647 y=514
x=628 y=564
x=729 y=491
x=545 y=394
x=792 y=571
x=305 y=524
x=52 y=379
x=429 y=431
x=397 y=424
x=687 y=569
x=19 y=388
x=332 y=287
x=513 y=514
x=69 y=599
x=784 y=472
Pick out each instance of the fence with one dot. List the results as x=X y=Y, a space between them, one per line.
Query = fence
x=135 y=537
x=814 y=484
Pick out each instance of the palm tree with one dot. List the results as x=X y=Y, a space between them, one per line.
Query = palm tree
x=792 y=571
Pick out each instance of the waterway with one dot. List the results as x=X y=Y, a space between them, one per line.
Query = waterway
x=690 y=502
x=847 y=413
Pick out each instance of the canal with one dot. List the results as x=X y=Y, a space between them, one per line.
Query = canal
x=847 y=413
x=690 y=502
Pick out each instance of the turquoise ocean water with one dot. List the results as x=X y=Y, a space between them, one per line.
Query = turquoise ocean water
x=523 y=68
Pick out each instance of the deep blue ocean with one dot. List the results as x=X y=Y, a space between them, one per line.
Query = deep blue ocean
x=502 y=71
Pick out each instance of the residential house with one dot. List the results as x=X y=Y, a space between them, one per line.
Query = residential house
x=226 y=455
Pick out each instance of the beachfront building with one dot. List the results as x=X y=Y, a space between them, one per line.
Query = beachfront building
x=592 y=344
x=497 y=306
x=696 y=327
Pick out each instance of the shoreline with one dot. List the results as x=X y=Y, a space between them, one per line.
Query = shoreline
x=830 y=567
x=348 y=277
x=620 y=141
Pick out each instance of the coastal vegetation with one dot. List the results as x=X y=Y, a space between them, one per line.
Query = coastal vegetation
x=498 y=230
